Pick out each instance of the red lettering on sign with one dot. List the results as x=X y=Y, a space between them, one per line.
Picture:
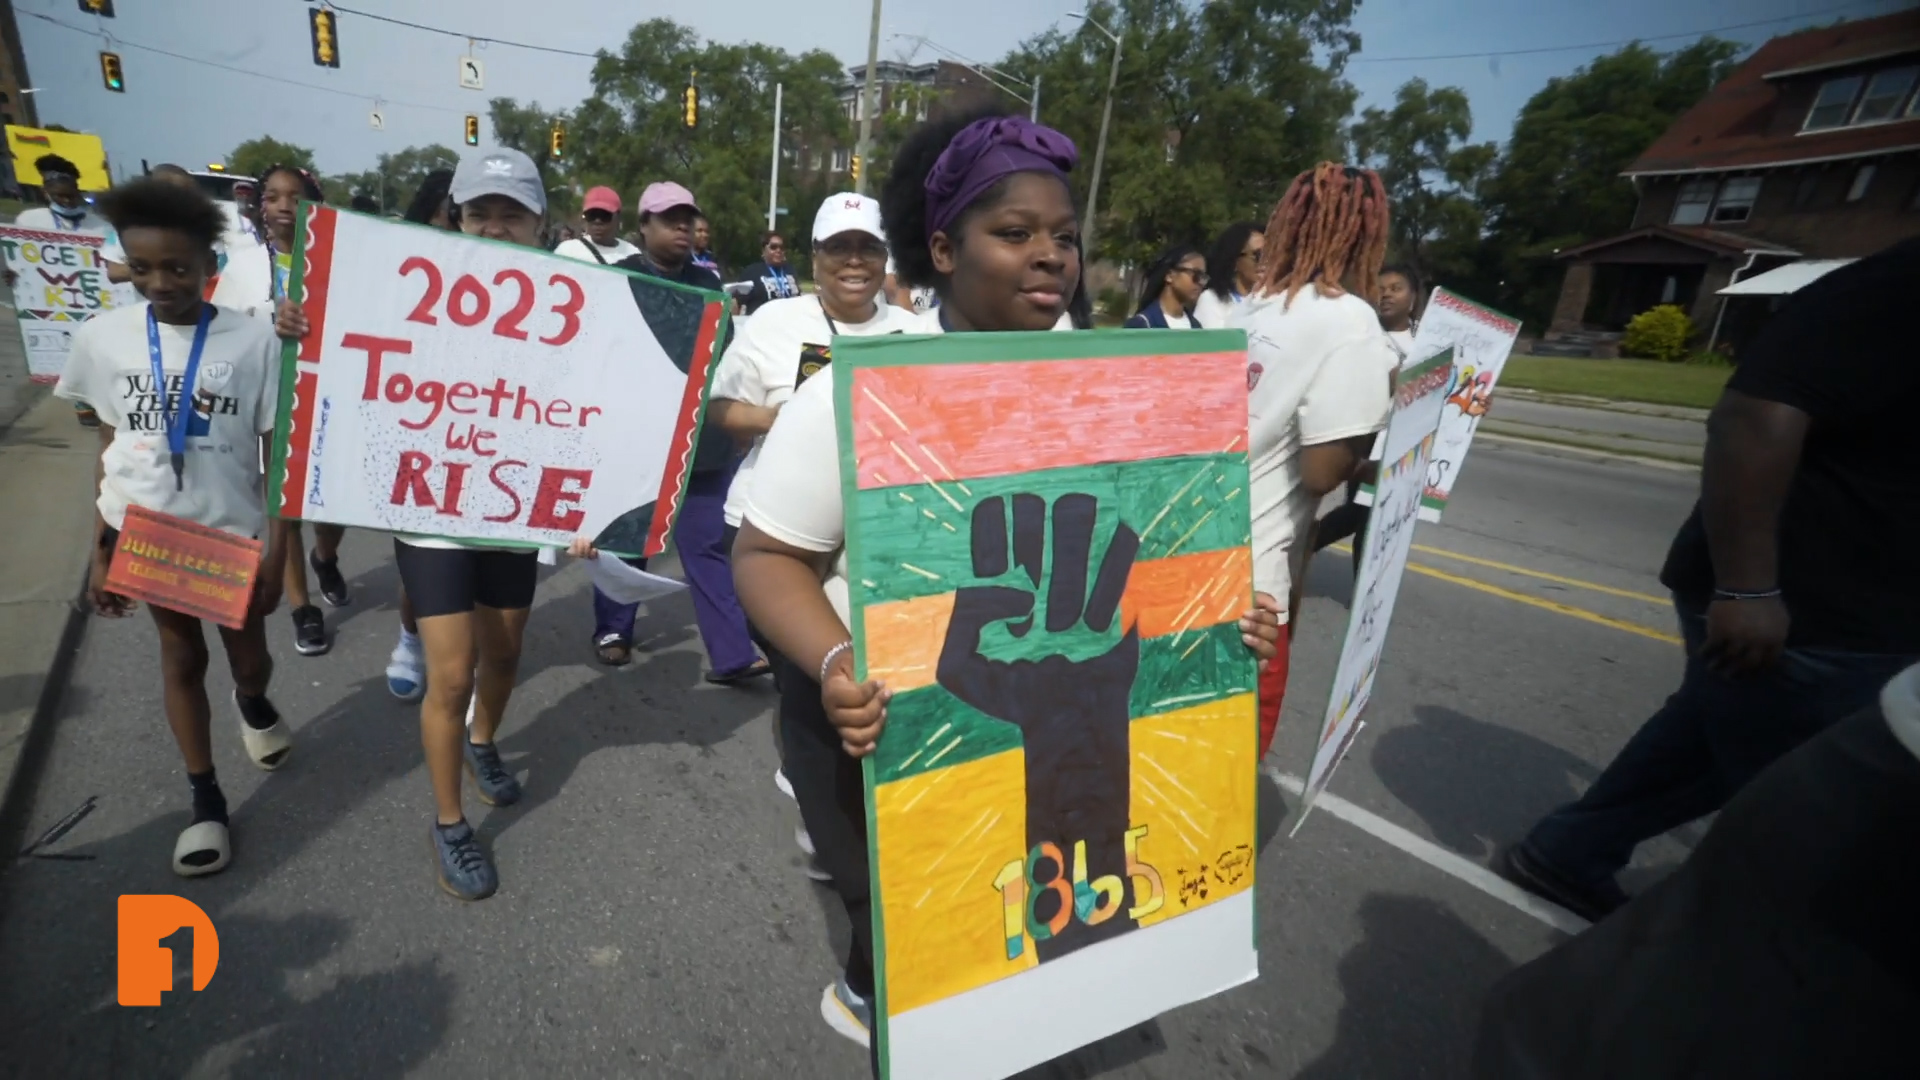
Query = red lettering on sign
x=461 y=391
x=377 y=348
x=478 y=303
x=470 y=301
x=554 y=494
x=410 y=482
x=423 y=311
x=493 y=474
x=509 y=324
x=569 y=312
x=456 y=481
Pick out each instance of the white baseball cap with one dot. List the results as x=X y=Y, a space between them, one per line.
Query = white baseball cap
x=847 y=212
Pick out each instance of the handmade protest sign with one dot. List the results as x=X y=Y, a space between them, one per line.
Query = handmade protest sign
x=28 y=145
x=1048 y=545
x=185 y=567
x=60 y=281
x=455 y=387
x=1419 y=396
x=1481 y=339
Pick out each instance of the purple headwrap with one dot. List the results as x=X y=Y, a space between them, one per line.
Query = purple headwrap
x=986 y=152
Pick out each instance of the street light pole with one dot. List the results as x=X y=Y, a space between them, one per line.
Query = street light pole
x=870 y=102
x=773 y=181
x=1034 y=115
x=1106 y=118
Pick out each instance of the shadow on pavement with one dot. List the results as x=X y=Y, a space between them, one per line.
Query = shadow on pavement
x=1116 y=1051
x=1413 y=988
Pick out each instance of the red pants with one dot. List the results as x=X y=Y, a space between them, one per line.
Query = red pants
x=1273 y=688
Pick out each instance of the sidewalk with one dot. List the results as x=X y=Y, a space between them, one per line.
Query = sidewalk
x=46 y=469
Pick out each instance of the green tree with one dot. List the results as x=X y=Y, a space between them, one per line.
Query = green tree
x=1430 y=172
x=1558 y=184
x=251 y=158
x=393 y=179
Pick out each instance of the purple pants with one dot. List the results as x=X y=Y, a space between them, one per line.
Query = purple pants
x=698 y=536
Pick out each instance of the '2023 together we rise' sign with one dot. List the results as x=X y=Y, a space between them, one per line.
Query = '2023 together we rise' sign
x=481 y=391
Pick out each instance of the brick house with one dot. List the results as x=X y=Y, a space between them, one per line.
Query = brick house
x=1805 y=157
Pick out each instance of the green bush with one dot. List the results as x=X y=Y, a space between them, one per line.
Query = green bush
x=1115 y=302
x=1659 y=333
x=1722 y=356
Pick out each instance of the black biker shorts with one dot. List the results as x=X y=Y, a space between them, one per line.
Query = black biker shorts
x=450 y=581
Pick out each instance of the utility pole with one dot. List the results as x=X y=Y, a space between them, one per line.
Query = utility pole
x=1106 y=117
x=1034 y=115
x=773 y=183
x=870 y=100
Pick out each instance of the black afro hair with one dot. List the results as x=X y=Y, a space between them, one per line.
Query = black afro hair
x=903 y=201
x=47 y=163
x=150 y=203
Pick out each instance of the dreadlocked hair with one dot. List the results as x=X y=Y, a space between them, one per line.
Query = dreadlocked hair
x=1329 y=228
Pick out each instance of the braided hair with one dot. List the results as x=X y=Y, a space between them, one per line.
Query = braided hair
x=1328 y=229
x=309 y=190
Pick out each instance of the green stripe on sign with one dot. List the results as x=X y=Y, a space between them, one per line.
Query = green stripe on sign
x=930 y=729
x=1177 y=505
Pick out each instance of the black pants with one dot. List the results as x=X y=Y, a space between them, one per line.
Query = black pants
x=1349 y=519
x=832 y=795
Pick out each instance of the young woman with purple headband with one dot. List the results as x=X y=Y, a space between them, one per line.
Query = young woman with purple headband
x=979 y=209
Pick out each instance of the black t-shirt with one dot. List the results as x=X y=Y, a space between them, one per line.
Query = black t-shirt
x=769 y=283
x=714 y=449
x=1850 y=529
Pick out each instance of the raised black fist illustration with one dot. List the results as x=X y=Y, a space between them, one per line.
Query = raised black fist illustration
x=1073 y=714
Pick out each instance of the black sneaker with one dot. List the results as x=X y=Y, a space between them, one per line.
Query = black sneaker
x=497 y=785
x=460 y=864
x=333 y=584
x=1524 y=867
x=310 y=631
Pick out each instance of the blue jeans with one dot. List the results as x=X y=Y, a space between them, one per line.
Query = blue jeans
x=1711 y=737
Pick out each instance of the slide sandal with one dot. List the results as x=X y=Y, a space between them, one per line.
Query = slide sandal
x=201 y=850
x=740 y=674
x=268 y=748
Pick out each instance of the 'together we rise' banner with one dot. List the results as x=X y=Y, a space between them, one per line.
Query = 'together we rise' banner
x=456 y=387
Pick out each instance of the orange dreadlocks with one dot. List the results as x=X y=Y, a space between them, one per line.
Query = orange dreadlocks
x=1329 y=226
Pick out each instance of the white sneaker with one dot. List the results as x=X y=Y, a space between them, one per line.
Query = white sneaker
x=780 y=781
x=800 y=837
x=407 y=669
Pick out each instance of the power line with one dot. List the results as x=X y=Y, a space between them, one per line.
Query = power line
x=457 y=34
x=1485 y=54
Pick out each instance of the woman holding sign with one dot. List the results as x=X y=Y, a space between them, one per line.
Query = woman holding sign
x=185 y=391
x=979 y=209
x=471 y=601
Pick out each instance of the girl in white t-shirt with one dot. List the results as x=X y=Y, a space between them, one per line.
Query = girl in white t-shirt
x=141 y=367
x=1232 y=263
x=1319 y=375
x=998 y=237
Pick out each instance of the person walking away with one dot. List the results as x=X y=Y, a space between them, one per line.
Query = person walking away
x=281 y=189
x=771 y=277
x=1232 y=264
x=791 y=340
x=187 y=394
x=67 y=211
x=667 y=214
x=601 y=243
x=1794 y=578
x=1002 y=247
x=702 y=247
x=1173 y=285
x=471 y=600
x=1319 y=373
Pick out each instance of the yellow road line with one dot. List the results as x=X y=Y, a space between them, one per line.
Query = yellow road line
x=1544 y=576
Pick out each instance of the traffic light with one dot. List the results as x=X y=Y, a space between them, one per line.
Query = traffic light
x=326 y=37
x=473 y=130
x=856 y=168
x=693 y=105
x=558 y=144
x=110 y=72
x=102 y=8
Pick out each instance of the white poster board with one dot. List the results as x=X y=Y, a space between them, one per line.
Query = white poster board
x=60 y=281
x=456 y=387
x=1481 y=339
x=1409 y=442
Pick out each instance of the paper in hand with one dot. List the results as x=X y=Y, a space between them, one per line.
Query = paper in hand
x=624 y=584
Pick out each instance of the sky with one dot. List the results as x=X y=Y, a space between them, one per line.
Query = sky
x=192 y=113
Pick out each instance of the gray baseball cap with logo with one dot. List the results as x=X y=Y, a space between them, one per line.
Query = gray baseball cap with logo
x=502 y=171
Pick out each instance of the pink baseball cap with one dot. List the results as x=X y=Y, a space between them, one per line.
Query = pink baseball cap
x=664 y=196
x=602 y=198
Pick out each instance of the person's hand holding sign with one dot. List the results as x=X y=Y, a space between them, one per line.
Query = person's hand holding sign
x=290 y=320
x=111 y=605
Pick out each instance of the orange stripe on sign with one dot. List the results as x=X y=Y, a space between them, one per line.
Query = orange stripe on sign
x=1164 y=596
x=939 y=422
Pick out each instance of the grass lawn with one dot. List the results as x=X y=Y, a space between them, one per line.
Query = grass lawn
x=1651 y=381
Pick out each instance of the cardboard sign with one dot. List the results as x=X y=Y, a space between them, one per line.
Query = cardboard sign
x=1049 y=547
x=1419 y=396
x=1481 y=339
x=60 y=282
x=185 y=567
x=461 y=388
x=87 y=152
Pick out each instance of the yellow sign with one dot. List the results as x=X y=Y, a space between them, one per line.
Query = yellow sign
x=86 y=151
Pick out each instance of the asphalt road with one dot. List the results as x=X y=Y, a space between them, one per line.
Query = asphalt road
x=653 y=920
x=1632 y=432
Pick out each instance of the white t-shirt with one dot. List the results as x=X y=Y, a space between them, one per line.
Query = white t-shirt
x=234 y=401
x=577 y=249
x=1317 y=371
x=44 y=219
x=762 y=366
x=1213 y=313
x=1402 y=342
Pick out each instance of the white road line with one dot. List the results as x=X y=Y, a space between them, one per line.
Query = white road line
x=1435 y=856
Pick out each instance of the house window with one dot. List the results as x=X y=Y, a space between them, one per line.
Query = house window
x=1862 y=180
x=1695 y=199
x=842 y=159
x=1884 y=95
x=1834 y=105
x=1806 y=190
x=1736 y=199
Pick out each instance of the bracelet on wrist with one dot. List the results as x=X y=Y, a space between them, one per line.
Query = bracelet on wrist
x=1746 y=594
x=826 y=662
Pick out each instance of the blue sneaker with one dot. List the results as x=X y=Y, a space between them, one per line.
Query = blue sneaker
x=496 y=785
x=407 y=669
x=460 y=864
x=847 y=1012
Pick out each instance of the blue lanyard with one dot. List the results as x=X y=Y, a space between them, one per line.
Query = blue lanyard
x=176 y=421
